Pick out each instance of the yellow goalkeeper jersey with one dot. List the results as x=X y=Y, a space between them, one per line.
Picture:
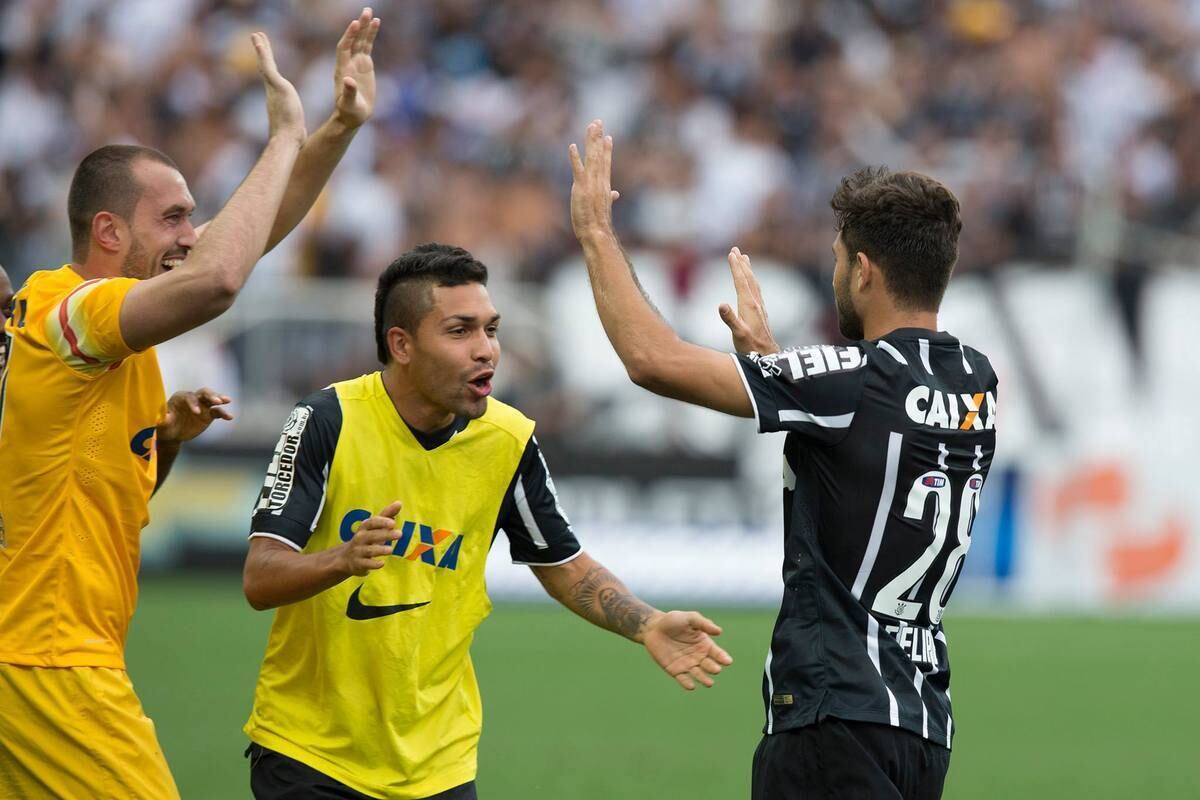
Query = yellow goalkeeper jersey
x=78 y=414
x=370 y=682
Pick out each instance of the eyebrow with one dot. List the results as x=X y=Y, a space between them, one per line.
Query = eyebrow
x=179 y=208
x=468 y=318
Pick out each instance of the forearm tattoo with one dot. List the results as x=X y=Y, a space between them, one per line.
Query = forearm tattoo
x=603 y=599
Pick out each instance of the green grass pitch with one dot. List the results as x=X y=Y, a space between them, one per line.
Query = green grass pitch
x=1046 y=707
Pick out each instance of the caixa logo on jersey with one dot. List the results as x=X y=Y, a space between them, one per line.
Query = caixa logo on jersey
x=428 y=540
x=952 y=411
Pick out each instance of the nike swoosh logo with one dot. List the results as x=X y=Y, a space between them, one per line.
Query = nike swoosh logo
x=356 y=610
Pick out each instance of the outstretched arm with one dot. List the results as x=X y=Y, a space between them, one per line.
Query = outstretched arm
x=679 y=641
x=167 y=305
x=653 y=355
x=354 y=92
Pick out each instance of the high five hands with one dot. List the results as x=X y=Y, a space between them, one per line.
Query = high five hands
x=354 y=71
x=592 y=194
x=748 y=324
x=592 y=198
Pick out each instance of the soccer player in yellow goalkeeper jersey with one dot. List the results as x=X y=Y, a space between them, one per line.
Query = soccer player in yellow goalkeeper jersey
x=367 y=688
x=86 y=434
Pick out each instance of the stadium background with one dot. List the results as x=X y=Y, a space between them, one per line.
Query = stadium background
x=1069 y=130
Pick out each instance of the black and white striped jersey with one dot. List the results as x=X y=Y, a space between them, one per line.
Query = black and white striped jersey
x=888 y=448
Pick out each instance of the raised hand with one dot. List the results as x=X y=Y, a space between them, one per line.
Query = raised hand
x=190 y=413
x=591 y=193
x=681 y=643
x=749 y=326
x=371 y=543
x=354 y=72
x=284 y=111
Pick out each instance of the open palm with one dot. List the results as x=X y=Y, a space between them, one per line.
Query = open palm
x=354 y=72
x=681 y=642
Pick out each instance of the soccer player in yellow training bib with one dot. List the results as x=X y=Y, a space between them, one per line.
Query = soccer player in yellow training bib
x=86 y=433
x=6 y=293
x=376 y=518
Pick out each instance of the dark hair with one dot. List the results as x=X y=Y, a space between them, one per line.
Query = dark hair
x=906 y=222
x=104 y=181
x=405 y=291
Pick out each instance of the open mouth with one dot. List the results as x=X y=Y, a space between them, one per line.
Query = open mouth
x=169 y=264
x=481 y=385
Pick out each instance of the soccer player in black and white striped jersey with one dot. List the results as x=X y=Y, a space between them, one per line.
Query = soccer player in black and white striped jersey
x=889 y=444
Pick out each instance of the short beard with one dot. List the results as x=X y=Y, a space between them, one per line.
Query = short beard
x=849 y=322
x=135 y=265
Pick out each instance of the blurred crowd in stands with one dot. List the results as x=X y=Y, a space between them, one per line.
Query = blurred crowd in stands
x=1059 y=123
x=733 y=118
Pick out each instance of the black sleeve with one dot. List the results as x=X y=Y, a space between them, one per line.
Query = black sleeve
x=294 y=490
x=813 y=391
x=538 y=530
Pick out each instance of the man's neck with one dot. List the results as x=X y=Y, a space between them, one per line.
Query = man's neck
x=90 y=269
x=415 y=410
x=885 y=324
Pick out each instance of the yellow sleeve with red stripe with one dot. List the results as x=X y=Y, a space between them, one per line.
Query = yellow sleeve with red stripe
x=84 y=329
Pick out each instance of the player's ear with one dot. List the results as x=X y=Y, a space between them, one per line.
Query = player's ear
x=865 y=270
x=109 y=231
x=399 y=345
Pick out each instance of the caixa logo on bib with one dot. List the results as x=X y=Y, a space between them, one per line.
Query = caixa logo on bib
x=429 y=540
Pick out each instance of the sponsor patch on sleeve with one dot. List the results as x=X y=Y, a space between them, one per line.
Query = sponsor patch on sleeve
x=281 y=474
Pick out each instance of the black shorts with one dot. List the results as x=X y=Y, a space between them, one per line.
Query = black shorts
x=274 y=776
x=838 y=758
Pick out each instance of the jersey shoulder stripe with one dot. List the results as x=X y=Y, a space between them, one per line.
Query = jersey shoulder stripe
x=75 y=356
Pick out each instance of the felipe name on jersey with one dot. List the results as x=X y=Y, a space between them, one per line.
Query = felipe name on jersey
x=917 y=643
x=806 y=362
x=951 y=410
